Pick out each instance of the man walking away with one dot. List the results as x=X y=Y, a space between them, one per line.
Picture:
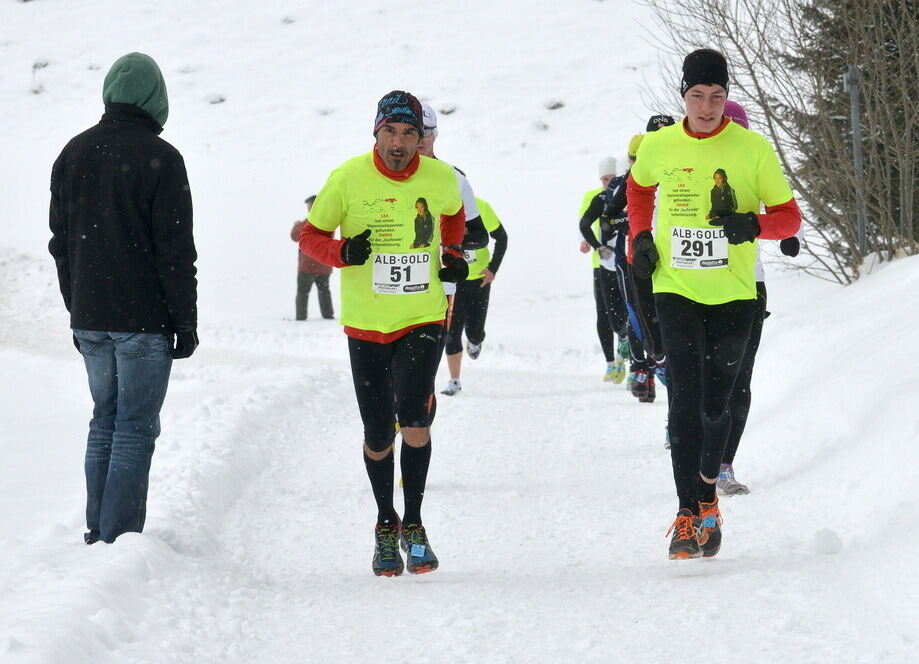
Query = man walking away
x=121 y=224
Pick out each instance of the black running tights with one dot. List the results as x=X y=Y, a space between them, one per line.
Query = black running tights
x=612 y=318
x=470 y=308
x=740 y=397
x=705 y=347
x=395 y=379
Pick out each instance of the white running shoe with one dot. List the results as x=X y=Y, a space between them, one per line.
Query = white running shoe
x=473 y=350
x=727 y=485
x=453 y=388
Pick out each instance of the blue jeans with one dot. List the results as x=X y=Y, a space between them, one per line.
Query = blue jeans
x=128 y=374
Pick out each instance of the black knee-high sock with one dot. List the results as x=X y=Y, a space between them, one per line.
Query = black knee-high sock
x=381 y=480
x=706 y=491
x=414 y=462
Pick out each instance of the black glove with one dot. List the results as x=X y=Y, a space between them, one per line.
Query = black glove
x=790 y=246
x=475 y=236
x=186 y=342
x=644 y=255
x=455 y=269
x=739 y=227
x=356 y=250
x=76 y=343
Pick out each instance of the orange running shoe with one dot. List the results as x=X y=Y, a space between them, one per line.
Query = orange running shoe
x=710 y=516
x=685 y=541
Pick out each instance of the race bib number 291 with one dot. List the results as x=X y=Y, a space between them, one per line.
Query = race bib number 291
x=698 y=248
x=401 y=274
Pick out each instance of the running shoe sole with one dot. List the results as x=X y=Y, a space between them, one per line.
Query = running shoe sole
x=388 y=573
x=685 y=555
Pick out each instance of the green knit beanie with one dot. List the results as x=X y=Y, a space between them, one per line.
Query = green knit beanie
x=136 y=79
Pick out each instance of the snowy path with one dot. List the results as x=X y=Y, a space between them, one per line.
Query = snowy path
x=549 y=527
x=548 y=500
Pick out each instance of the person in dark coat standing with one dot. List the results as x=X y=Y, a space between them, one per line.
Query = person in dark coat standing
x=310 y=271
x=121 y=224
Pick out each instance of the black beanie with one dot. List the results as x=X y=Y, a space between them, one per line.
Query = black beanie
x=399 y=106
x=657 y=121
x=705 y=67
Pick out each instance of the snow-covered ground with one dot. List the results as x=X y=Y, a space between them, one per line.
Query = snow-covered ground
x=550 y=492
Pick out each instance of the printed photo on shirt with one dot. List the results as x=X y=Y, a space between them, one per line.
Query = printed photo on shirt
x=724 y=202
x=424 y=225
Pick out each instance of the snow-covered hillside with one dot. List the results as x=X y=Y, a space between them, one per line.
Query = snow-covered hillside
x=550 y=491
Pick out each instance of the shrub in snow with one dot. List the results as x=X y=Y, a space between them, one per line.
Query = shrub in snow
x=37 y=87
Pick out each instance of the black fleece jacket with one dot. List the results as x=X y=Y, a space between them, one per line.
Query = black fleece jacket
x=121 y=224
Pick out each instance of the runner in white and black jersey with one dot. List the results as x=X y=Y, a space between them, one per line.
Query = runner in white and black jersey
x=470 y=303
x=476 y=235
x=612 y=316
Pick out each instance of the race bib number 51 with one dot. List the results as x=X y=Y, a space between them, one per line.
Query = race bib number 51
x=698 y=248
x=401 y=274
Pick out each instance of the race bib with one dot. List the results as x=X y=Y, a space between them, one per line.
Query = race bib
x=469 y=255
x=698 y=248
x=401 y=274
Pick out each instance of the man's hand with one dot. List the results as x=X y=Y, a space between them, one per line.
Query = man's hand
x=455 y=268
x=739 y=227
x=356 y=250
x=790 y=246
x=585 y=248
x=186 y=342
x=644 y=255
x=487 y=277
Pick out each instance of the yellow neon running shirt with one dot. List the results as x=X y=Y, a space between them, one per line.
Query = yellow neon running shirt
x=732 y=171
x=585 y=203
x=481 y=257
x=398 y=286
